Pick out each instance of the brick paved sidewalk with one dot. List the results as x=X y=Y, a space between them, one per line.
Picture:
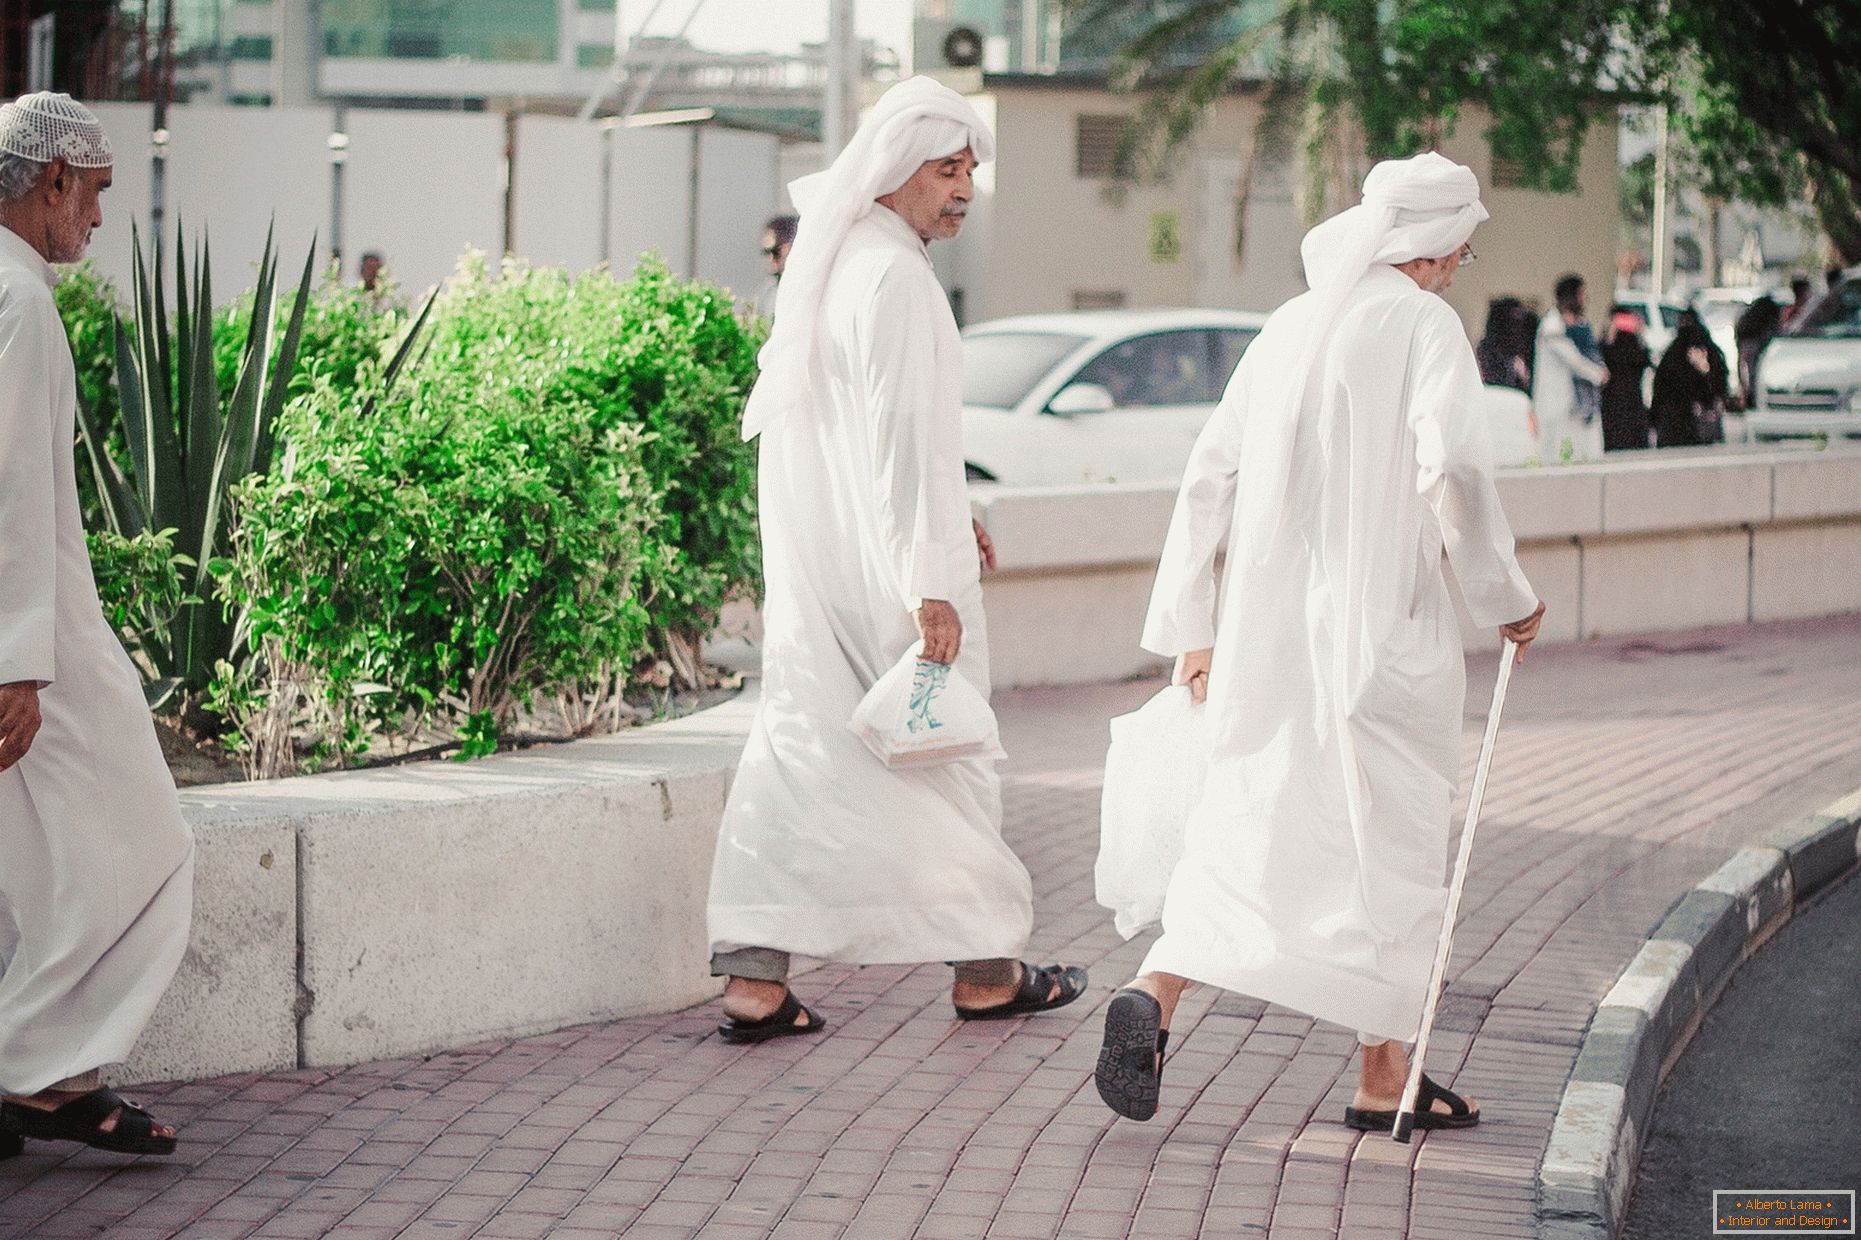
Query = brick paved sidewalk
x=1627 y=771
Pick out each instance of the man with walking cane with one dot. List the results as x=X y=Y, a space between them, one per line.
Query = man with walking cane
x=1347 y=456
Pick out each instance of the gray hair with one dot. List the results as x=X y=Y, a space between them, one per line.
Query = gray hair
x=18 y=175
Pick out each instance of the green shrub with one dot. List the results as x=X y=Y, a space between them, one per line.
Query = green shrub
x=442 y=558
x=88 y=304
x=346 y=330
x=666 y=356
x=142 y=583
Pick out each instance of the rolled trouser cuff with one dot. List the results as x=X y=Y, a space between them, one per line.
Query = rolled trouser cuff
x=1003 y=971
x=760 y=964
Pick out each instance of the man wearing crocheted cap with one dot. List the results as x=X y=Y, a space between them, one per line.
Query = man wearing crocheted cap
x=96 y=862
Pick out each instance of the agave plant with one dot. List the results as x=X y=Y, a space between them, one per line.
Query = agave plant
x=186 y=451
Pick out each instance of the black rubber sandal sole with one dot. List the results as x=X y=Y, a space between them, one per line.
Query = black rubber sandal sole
x=777 y=1024
x=1130 y=1073
x=79 y=1119
x=1459 y=1114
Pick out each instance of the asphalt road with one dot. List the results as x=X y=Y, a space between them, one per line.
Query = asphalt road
x=1768 y=1094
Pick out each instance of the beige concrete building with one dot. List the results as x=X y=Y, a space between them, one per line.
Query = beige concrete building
x=1044 y=236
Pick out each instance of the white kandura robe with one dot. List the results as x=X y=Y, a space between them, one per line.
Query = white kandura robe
x=1558 y=364
x=1314 y=864
x=96 y=862
x=864 y=510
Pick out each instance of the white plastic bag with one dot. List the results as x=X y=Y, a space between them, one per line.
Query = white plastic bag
x=1154 y=772
x=924 y=714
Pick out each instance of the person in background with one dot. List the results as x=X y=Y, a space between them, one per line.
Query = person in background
x=1504 y=351
x=370 y=270
x=1801 y=294
x=778 y=236
x=1565 y=433
x=1754 y=329
x=1689 y=387
x=1625 y=415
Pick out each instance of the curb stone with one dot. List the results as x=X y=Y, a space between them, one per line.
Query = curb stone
x=1653 y=1010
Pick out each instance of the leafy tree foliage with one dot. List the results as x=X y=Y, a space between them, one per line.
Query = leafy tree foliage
x=1769 y=97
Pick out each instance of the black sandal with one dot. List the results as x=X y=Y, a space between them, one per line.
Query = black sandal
x=81 y=1120
x=1035 y=993
x=777 y=1024
x=1130 y=1068
x=1458 y=1114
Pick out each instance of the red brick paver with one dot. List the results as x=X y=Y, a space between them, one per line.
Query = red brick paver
x=1627 y=771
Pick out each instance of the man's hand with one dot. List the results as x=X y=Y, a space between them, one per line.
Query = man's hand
x=1192 y=670
x=985 y=547
x=19 y=720
x=941 y=629
x=1523 y=631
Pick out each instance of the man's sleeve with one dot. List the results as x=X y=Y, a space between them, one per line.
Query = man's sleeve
x=1454 y=471
x=28 y=514
x=917 y=442
x=1182 y=602
x=1554 y=339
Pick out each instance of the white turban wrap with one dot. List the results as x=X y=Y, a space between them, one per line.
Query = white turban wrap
x=45 y=126
x=913 y=123
x=1426 y=206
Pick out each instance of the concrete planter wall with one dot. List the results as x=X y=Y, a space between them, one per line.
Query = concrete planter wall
x=1660 y=541
x=371 y=914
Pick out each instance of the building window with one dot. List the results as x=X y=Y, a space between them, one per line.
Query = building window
x=1095 y=146
x=251 y=47
x=594 y=55
x=1098 y=299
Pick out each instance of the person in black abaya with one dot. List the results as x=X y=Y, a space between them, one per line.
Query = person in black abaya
x=1689 y=388
x=1625 y=415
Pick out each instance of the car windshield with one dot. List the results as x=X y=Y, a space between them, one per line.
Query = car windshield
x=1001 y=368
x=1836 y=317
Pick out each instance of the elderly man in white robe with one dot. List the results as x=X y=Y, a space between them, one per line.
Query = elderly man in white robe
x=96 y=863
x=868 y=551
x=1347 y=454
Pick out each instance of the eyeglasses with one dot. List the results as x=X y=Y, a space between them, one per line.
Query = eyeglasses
x=1465 y=256
x=771 y=250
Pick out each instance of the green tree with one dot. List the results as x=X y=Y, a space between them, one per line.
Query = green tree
x=1366 y=79
x=1769 y=97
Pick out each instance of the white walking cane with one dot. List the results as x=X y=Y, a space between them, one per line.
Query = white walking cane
x=1405 y=1117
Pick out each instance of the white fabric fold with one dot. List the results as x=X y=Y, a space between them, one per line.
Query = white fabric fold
x=914 y=122
x=1426 y=206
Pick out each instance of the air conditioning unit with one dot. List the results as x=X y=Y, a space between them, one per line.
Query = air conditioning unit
x=937 y=46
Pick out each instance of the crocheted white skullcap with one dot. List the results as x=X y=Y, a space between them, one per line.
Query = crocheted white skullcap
x=44 y=126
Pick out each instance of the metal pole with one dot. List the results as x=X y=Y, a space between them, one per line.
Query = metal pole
x=339 y=160
x=158 y=137
x=605 y=247
x=837 y=111
x=1657 y=278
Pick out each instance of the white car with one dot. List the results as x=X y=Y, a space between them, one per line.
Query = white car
x=1810 y=378
x=1097 y=395
x=1120 y=395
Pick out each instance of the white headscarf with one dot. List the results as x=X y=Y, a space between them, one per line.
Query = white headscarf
x=1426 y=206
x=44 y=126
x=913 y=123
